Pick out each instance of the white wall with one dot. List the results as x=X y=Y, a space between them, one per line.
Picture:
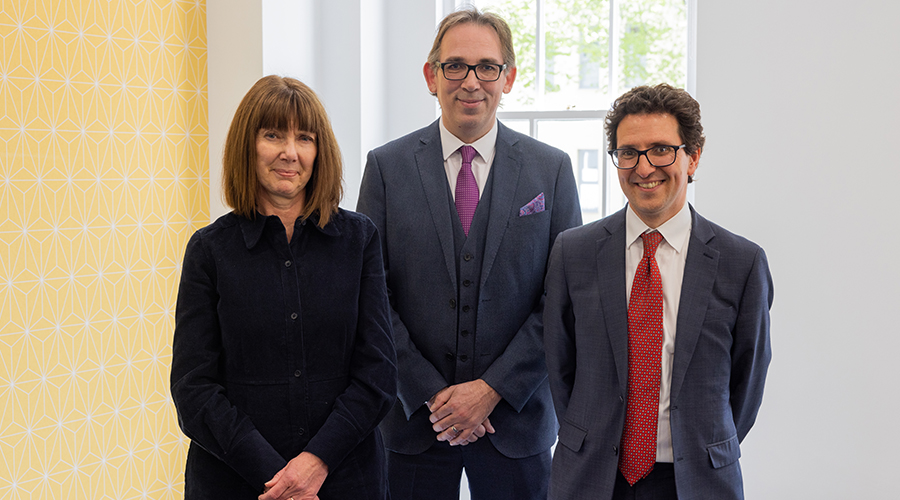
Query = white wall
x=289 y=45
x=234 y=64
x=362 y=57
x=800 y=105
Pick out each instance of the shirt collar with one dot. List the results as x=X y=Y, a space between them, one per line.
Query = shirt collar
x=484 y=146
x=253 y=229
x=675 y=231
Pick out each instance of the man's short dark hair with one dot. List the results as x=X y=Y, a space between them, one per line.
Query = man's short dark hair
x=662 y=98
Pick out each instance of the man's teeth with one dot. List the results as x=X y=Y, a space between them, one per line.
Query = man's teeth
x=649 y=185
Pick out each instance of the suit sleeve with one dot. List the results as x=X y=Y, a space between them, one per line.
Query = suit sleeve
x=752 y=350
x=522 y=368
x=373 y=370
x=205 y=414
x=559 y=331
x=419 y=379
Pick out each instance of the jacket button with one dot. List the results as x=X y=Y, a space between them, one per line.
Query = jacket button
x=467 y=283
x=293 y=315
x=449 y=355
x=615 y=450
x=466 y=309
x=468 y=257
x=287 y=263
x=297 y=373
x=463 y=357
x=301 y=431
x=452 y=303
x=464 y=333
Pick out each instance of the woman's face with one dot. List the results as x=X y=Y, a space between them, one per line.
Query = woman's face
x=284 y=165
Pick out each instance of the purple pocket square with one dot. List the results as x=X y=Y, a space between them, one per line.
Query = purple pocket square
x=534 y=206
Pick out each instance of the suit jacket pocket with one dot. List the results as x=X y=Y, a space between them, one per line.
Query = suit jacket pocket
x=571 y=436
x=724 y=452
x=533 y=218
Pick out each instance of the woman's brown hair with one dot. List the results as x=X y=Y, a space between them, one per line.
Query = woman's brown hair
x=280 y=103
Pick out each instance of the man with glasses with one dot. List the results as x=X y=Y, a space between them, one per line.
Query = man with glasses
x=656 y=325
x=467 y=210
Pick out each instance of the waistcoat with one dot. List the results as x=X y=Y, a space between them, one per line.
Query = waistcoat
x=469 y=253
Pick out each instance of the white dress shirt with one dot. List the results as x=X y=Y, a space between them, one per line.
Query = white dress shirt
x=670 y=258
x=481 y=164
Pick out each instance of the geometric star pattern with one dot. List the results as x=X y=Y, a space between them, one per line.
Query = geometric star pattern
x=103 y=177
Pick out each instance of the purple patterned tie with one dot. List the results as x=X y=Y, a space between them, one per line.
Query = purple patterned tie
x=466 y=189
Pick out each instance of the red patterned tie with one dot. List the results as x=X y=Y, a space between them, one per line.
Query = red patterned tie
x=645 y=338
x=466 y=189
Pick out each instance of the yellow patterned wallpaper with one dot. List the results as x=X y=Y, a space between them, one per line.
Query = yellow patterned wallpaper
x=103 y=177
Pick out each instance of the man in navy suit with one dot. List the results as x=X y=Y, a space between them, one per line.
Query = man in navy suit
x=684 y=331
x=467 y=210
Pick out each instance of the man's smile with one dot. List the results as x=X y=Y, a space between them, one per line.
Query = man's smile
x=649 y=184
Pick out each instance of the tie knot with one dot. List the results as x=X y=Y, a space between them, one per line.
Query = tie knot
x=651 y=242
x=468 y=153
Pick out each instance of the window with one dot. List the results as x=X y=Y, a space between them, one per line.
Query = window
x=570 y=69
x=589 y=180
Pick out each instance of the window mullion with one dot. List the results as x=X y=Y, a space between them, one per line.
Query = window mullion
x=691 y=70
x=540 y=55
x=614 y=23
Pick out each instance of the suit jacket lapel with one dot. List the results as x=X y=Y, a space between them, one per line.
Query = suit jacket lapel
x=700 y=269
x=505 y=170
x=611 y=284
x=430 y=163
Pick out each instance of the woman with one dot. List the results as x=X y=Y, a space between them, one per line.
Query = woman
x=283 y=362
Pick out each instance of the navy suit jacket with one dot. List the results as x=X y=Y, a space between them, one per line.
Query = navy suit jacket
x=405 y=192
x=722 y=352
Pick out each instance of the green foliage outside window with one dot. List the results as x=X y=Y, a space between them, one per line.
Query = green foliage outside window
x=652 y=48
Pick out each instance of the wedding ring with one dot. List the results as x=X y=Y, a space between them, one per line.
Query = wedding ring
x=457 y=431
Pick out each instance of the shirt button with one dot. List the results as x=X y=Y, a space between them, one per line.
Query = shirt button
x=452 y=303
x=287 y=263
x=297 y=373
x=293 y=315
x=301 y=432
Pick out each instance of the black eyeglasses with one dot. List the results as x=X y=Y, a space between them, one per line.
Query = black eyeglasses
x=658 y=156
x=485 y=72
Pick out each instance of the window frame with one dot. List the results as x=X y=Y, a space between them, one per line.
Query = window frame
x=535 y=116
